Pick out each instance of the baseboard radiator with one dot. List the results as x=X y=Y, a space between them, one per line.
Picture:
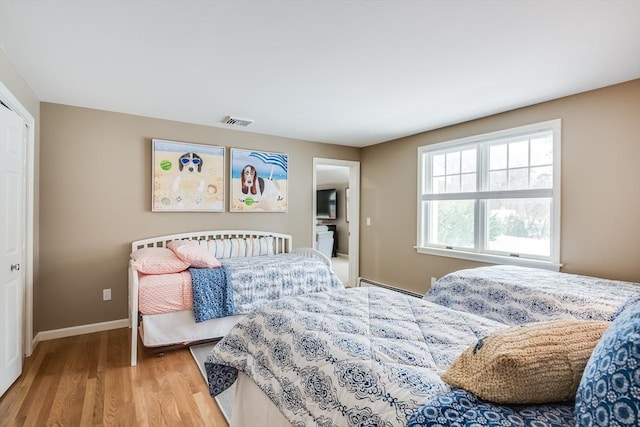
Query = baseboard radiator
x=362 y=281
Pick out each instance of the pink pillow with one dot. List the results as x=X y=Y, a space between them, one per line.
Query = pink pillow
x=157 y=261
x=190 y=251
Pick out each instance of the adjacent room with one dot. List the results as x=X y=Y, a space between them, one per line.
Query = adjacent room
x=344 y=212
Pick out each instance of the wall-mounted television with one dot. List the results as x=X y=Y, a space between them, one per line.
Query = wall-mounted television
x=327 y=204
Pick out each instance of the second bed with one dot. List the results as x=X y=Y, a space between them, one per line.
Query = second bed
x=171 y=303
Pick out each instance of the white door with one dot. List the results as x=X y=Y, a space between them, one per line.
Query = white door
x=12 y=214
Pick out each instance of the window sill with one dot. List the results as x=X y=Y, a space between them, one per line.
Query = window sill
x=491 y=259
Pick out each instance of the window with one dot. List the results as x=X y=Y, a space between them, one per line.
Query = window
x=493 y=198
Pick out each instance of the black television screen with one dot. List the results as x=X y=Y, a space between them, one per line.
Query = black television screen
x=327 y=204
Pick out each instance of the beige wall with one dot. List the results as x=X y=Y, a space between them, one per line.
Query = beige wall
x=600 y=190
x=95 y=191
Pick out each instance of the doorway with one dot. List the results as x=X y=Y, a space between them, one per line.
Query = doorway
x=344 y=177
x=17 y=236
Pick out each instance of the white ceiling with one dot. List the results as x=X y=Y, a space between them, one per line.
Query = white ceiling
x=346 y=72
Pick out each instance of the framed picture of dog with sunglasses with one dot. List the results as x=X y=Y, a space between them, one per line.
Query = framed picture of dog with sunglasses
x=187 y=177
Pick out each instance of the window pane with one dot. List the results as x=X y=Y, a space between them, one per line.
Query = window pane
x=542 y=177
x=498 y=157
x=520 y=226
x=453 y=162
x=469 y=161
x=519 y=154
x=518 y=179
x=451 y=223
x=498 y=180
x=425 y=160
x=468 y=182
x=438 y=165
x=542 y=151
x=453 y=183
x=438 y=185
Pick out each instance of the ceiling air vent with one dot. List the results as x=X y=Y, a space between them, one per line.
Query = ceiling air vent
x=236 y=121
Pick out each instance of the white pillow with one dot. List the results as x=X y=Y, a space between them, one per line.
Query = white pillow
x=245 y=247
x=234 y=248
x=209 y=246
x=255 y=246
x=227 y=248
x=269 y=245
x=264 y=246
x=219 y=248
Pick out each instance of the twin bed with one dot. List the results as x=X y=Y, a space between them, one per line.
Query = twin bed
x=258 y=266
x=371 y=356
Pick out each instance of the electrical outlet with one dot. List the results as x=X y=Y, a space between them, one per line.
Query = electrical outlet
x=433 y=280
x=106 y=295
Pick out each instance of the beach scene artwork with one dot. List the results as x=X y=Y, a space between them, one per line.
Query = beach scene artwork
x=258 y=181
x=187 y=177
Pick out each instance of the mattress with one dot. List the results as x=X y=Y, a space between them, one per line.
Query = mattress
x=179 y=327
x=164 y=293
x=516 y=295
x=254 y=281
x=252 y=407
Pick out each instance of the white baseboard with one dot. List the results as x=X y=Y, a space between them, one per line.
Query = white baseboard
x=79 y=330
x=364 y=282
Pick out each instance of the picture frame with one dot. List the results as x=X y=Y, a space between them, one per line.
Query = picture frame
x=187 y=177
x=259 y=181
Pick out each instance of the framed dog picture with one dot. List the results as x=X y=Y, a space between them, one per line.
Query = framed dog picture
x=258 y=181
x=187 y=177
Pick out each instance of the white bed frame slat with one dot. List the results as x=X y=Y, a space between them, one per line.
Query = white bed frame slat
x=282 y=243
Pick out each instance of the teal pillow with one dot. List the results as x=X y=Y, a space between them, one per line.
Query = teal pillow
x=609 y=392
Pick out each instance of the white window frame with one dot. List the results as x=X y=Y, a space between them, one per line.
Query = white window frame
x=477 y=254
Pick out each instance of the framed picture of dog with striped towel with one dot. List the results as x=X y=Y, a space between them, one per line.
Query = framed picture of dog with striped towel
x=187 y=177
x=258 y=181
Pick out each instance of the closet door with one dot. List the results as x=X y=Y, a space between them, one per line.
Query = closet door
x=12 y=244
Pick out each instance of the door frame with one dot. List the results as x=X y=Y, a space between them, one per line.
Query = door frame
x=12 y=102
x=354 y=211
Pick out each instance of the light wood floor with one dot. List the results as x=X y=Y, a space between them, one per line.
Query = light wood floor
x=86 y=380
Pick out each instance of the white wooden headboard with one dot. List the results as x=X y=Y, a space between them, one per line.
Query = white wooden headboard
x=282 y=243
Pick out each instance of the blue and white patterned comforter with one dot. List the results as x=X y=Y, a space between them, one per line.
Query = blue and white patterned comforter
x=516 y=295
x=363 y=356
x=268 y=277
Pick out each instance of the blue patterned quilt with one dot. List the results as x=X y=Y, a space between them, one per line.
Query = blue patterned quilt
x=264 y=278
x=212 y=293
x=516 y=295
x=362 y=356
